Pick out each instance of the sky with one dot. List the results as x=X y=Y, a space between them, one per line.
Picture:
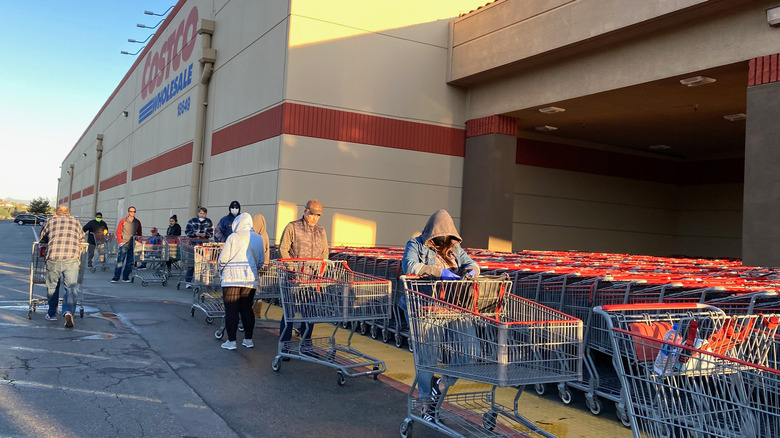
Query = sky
x=61 y=62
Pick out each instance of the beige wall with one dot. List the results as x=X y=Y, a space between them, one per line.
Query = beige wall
x=558 y=209
x=710 y=37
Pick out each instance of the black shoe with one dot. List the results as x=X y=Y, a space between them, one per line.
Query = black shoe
x=435 y=392
x=115 y=280
x=428 y=415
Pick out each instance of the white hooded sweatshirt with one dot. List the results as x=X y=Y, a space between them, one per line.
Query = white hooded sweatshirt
x=241 y=255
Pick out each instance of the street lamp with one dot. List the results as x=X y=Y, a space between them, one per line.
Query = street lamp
x=143 y=26
x=159 y=15
x=130 y=40
x=132 y=54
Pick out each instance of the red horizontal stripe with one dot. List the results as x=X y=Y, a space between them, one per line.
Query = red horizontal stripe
x=174 y=158
x=329 y=124
x=495 y=124
x=76 y=195
x=88 y=191
x=116 y=180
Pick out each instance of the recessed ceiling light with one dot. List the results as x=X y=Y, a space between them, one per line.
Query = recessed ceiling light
x=735 y=117
x=696 y=81
x=551 y=110
x=660 y=147
x=545 y=128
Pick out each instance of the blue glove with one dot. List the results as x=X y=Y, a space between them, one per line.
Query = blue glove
x=446 y=274
x=471 y=273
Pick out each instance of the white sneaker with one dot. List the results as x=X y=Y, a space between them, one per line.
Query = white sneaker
x=229 y=345
x=248 y=343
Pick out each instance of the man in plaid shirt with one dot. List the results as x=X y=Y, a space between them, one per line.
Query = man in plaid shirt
x=200 y=229
x=64 y=236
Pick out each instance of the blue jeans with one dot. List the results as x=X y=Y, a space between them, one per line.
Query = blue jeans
x=53 y=301
x=69 y=269
x=124 y=260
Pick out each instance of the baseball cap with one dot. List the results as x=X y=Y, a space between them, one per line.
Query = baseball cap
x=235 y=204
x=314 y=206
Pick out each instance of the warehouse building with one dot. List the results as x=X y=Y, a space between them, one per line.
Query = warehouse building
x=597 y=125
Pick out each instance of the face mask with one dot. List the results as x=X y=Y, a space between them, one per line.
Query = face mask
x=234 y=211
x=98 y=219
x=201 y=219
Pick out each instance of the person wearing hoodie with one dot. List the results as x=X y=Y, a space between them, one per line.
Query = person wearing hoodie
x=436 y=253
x=241 y=257
x=225 y=225
x=258 y=224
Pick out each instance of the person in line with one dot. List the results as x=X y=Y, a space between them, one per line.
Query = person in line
x=93 y=227
x=200 y=229
x=437 y=253
x=174 y=229
x=225 y=225
x=303 y=238
x=128 y=228
x=240 y=258
x=258 y=225
x=64 y=235
x=172 y=233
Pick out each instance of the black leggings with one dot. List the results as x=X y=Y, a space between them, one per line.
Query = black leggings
x=239 y=302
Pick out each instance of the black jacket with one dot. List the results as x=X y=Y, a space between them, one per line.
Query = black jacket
x=94 y=227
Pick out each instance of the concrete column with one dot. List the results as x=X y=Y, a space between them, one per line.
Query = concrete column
x=761 y=205
x=488 y=182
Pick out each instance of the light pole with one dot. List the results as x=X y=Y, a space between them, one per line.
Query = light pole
x=159 y=15
x=143 y=26
x=132 y=54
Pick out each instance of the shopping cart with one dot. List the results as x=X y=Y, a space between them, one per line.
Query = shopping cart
x=38 y=276
x=314 y=290
x=207 y=288
x=106 y=248
x=185 y=261
x=477 y=330
x=267 y=291
x=152 y=250
x=708 y=379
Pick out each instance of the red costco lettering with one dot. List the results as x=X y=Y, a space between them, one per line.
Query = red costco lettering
x=157 y=67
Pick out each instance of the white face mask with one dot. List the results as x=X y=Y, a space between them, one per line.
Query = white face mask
x=234 y=211
x=201 y=219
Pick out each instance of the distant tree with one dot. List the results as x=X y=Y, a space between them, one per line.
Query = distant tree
x=39 y=206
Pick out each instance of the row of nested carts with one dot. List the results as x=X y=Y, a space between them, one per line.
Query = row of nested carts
x=684 y=347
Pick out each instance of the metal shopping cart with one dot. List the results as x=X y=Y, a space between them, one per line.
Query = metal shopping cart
x=107 y=248
x=38 y=276
x=152 y=250
x=709 y=379
x=207 y=293
x=267 y=291
x=476 y=329
x=314 y=290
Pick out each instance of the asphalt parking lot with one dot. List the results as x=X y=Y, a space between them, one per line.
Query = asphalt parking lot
x=138 y=364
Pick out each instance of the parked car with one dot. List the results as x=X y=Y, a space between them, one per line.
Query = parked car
x=22 y=219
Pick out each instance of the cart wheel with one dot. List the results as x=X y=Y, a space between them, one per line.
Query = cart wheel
x=594 y=405
x=144 y=283
x=410 y=346
x=218 y=334
x=622 y=415
x=374 y=332
x=385 y=336
x=489 y=420
x=29 y=314
x=104 y=268
x=192 y=312
x=406 y=428
x=566 y=395
x=165 y=283
x=178 y=286
x=540 y=388
x=340 y=379
x=81 y=312
x=132 y=280
x=345 y=324
x=363 y=328
x=376 y=375
x=276 y=364
x=399 y=340
x=92 y=269
x=209 y=320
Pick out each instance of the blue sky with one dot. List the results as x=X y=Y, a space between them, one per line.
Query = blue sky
x=61 y=61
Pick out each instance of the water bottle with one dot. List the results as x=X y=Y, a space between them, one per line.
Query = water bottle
x=664 y=362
